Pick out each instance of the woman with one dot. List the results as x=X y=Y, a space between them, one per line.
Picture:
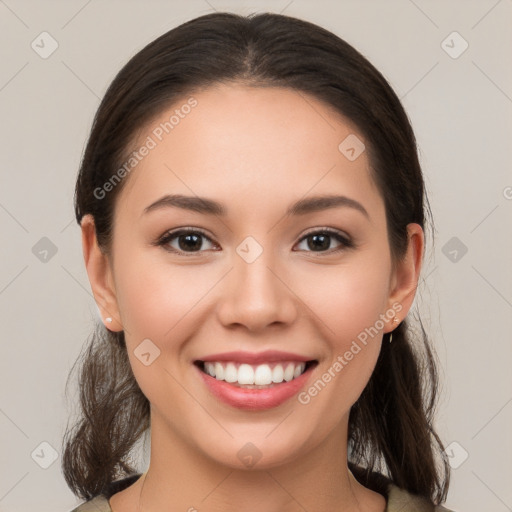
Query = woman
x=252 y=214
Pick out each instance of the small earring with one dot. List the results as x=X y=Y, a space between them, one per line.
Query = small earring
x=109 y=320
x=391 y=334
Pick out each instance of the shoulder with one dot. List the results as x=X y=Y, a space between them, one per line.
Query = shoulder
x=100 y=503
x=401 y=500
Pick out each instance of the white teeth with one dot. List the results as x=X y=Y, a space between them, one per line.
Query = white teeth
x=278 y=373
x=219 y=371
x=288 y=373
x=245 y=374
x=231 y=373
x=297 y=372
x=263 y=375
x=210 y=369
x=259 y=375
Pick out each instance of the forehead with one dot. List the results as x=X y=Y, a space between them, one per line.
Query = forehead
x=263 y=144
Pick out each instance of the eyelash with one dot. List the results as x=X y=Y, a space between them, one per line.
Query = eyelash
x=346 y=243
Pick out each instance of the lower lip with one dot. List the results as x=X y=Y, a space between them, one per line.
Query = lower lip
x=255 y=399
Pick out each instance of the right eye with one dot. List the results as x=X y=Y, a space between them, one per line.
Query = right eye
x=186 y=239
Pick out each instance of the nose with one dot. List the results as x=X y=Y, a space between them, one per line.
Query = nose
x=256 y=295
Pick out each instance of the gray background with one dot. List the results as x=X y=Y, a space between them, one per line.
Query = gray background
x=461 y=111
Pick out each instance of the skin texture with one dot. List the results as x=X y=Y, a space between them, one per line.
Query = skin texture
x=255 y=150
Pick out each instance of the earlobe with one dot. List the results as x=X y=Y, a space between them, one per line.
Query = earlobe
x=406 y=275
x=100 y=276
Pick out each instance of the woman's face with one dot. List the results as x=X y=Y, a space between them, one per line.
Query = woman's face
x=254 y=277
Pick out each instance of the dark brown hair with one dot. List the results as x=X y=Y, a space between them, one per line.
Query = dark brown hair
x=391 y=434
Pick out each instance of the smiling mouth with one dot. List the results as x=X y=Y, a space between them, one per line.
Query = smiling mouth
x=253 y=376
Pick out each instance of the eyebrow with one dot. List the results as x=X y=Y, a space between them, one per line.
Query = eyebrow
x=210 y=207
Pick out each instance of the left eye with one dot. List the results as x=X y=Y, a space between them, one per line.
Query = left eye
x=322 y=239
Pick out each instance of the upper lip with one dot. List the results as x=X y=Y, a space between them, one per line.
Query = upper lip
x=268 y=356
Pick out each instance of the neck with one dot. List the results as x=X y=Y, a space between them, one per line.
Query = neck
x=180 y=477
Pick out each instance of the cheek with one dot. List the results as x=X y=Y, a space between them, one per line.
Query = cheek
x=347 y=300
x=154 y=297
x=348 y=304
x=157 y=301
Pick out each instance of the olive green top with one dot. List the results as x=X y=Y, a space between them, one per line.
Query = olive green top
x=397 y=500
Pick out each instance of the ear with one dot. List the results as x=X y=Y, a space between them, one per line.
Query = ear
x=404 y=279
x=100 y=275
